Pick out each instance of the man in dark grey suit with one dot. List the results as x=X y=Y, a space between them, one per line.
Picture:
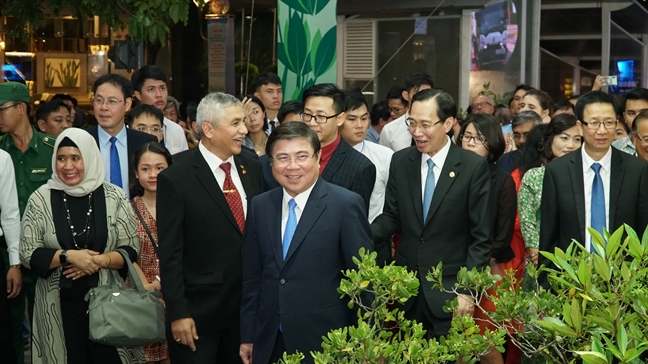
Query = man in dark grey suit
x=340 y=164
x=437 y=198
x=299 y=238
x=597 y=186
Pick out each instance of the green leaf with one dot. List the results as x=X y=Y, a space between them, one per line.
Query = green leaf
x=297 y=5
x=296 y=43
x=311 y=7
x=553 y=324
x=622 y=339
x=575 y=315
x=326 y=52
x=602 y=267
x=591 y=357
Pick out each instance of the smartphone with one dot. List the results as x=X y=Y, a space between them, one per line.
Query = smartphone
x=507 y=129
x=608 y=80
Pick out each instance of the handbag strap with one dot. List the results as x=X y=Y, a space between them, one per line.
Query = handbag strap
x=132 y=273
x=148 y=232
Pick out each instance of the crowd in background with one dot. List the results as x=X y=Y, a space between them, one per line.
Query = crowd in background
x=243 y=212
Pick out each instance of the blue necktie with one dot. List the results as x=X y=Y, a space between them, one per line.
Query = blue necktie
x=429 y=189
x=291 y=226
x=598 y=203
x=115 y=169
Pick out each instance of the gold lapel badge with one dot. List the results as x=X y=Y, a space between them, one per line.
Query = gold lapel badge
x=243 y=169
x=452 y=174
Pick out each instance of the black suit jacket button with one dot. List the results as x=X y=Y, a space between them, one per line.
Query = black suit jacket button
x=282 y=281
x=422 y=241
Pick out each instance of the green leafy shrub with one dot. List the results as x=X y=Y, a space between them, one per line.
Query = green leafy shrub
x=383 y=334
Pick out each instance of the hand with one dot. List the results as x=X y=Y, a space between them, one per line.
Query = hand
x=247 y=108
x=185 y=330
x=245 y=352
x=83 y=260
x=466 y=305
x=533 y=255
x=102 y=260
x=14 y=282
x=73 y=272
x=597 y=83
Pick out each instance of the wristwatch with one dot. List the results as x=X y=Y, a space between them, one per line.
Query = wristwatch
x=63 y=257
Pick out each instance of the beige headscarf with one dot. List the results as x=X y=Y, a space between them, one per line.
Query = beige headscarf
x=93 y=164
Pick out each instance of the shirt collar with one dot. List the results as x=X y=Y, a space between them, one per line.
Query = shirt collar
x=104 y=138
x=212 y=160
x=300 y=199
x=605 y=162
x=440 y=157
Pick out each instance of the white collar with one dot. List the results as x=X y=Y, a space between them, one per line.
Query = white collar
x=300 y=199
x=440 y=157
x=212 y=160
x=605 y=162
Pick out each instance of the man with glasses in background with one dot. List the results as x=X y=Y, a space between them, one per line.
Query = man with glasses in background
x=31 y=153
x=339 y=163
x=598 y=187
x=521 y=124
x=112 y=99
x=640 y=134
x=482 y=104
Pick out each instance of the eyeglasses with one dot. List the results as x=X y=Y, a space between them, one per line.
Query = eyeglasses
x=413 y=124
x=8 y=107
x=520 y=136
x=479 y=139
x=146 y=129
x=480 y=104
x=284 y=160
x=320 y=119
x=595 y=125
x=395 y=111
x=642 y=139
x=100 y=102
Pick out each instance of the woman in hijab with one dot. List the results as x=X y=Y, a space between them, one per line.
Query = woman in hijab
x=70 y=230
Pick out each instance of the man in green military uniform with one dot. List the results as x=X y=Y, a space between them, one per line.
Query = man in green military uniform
x=31 y=153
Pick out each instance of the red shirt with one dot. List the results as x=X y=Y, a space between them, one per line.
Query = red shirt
x=327 y=152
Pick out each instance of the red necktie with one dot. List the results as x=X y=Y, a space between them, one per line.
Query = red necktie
x=232 y=196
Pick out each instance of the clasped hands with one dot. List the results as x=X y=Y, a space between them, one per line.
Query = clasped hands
x=84 y=262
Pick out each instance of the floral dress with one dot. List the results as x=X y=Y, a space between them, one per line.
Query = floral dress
x=150 y=264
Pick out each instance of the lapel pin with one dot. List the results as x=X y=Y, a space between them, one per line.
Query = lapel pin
x=243 y=169
x=452 y=174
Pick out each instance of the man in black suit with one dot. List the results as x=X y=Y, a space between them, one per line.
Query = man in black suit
x=117 y=144
x=299 y=239
x=202 y=201
x=597 y=186
x=437 y=198
x=340 y=164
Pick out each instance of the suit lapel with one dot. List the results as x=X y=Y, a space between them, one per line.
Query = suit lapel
x=616 y=181
x=449 y=174
x=207 y=179
x=274 y=214
x=578 y=188
x=338 y=157
x=414 y=176
x=244 y=176
x=312 y=212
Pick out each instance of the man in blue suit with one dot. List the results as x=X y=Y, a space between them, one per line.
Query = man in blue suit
x=298 y=239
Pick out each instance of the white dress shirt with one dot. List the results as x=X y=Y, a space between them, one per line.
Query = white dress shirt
x=300 y=201
x=174 y=137
x=9 y=211
x=588 y=180
x=396 y=135
x=122 y=150
x=276 y=124
x=438 y=159
x=214 y=165
x=380 y=156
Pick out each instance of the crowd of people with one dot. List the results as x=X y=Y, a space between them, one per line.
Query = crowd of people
x=243 y=213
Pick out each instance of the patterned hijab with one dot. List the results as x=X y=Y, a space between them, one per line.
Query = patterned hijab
x=93 y=164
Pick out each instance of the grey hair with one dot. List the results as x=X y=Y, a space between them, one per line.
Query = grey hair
x=490 y=99
x=526 y=116
x=172 y=101
x=212 y=108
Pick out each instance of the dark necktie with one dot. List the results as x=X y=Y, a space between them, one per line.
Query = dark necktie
x=597 y=209
x=115 y=168
x=233 y=197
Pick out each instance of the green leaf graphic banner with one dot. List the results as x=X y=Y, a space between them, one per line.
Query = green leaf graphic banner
x=306 y=52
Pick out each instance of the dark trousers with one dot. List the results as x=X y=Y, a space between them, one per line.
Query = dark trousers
x=80 y=349
x=216 y=348
x=7 y=349
x=421 y=313
x=279 y=349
